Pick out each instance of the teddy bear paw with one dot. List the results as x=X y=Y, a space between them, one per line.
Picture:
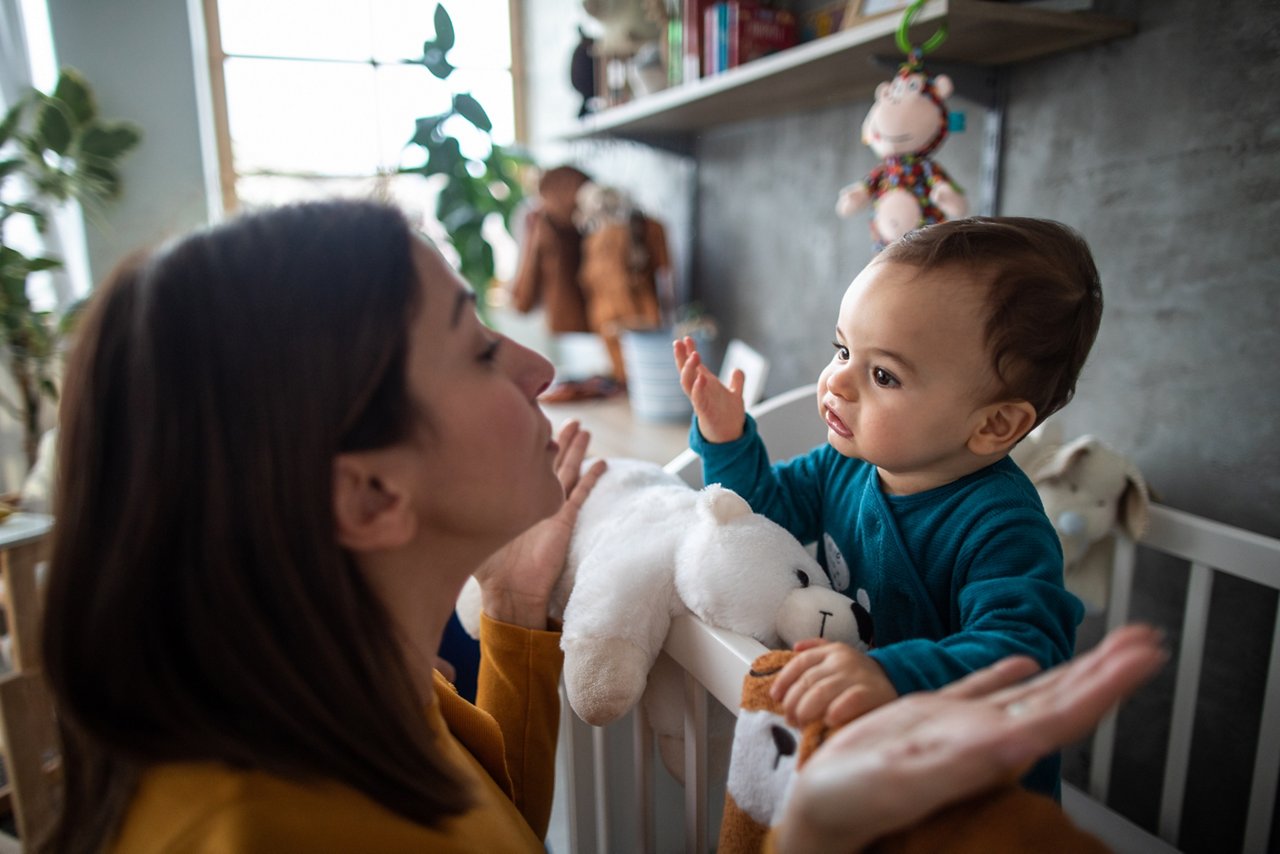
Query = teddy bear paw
x=604 y=677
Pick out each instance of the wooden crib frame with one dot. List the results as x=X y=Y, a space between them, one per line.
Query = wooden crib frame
x=615 y=793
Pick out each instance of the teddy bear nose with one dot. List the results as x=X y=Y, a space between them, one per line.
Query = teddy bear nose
x=1071 y=528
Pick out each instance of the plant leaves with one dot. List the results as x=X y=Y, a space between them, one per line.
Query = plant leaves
x=109 y=141
x=424 y=132
x=10 y=122
x=8 y=167
x=53 y=130
x=444 y=29
x=73 y=91
x=434 y=60
x=469 y=108
x=96 y=181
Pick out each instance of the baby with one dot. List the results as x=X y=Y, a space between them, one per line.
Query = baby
x=950 y=346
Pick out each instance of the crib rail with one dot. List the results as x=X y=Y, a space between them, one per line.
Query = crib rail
x=1208 y=547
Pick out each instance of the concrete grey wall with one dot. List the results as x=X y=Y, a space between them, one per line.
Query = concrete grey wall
x=1164 y=150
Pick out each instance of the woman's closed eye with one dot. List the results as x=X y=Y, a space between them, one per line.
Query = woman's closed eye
x=490 y=351
x=884 y=379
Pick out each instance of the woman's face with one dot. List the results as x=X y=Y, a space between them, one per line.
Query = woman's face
x=484 y=447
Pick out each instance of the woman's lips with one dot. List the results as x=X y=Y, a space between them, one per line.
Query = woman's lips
x=834 y=422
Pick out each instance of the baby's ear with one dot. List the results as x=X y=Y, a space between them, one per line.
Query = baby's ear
x=1000 y=426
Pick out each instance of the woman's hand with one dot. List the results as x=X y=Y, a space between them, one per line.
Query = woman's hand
x=517 y=580
x=720 y=408
x=898 y=764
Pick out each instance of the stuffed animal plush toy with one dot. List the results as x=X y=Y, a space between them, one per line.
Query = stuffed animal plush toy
x=906 y=125
x=624 y=257
x=1089 y=492
x=551 y=253
x=647 y=548
x=767 y=752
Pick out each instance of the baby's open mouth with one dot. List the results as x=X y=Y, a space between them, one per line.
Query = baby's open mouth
x=834 y=422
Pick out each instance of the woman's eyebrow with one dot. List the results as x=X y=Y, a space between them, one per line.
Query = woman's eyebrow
x=465 y=297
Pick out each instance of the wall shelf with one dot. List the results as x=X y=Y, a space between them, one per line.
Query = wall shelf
x=843 y=67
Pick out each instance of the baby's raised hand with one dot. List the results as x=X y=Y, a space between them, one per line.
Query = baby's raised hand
x=720 y=408
x=830 y=682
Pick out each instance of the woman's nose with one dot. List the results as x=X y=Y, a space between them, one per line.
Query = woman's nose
x=531 y=369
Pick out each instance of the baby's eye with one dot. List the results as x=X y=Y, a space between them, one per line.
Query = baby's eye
x=884 y=379
x=842 y=352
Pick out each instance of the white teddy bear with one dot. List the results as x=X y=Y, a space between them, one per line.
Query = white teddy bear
x=1089 y=492
x=647 y=548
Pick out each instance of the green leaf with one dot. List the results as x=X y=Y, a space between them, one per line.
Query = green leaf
x=96 y=181
x=73 y=91
x=444 y=157
x=425 y=128
x=53 y=130
x=434 y=60
x=8 y=167
x=109 y=141
x=469 y=108
x=36 y=265
x=10 y=122
x=444 y=29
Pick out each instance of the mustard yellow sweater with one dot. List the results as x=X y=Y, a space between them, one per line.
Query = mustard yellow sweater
x=507 y=741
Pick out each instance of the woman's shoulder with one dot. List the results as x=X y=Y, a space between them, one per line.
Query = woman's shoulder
x=206 y=806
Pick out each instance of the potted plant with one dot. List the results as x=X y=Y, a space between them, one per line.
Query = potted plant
x=474 y=186
x=54 y=148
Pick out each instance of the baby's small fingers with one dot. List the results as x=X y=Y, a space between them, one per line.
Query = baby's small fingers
x=791 y=672
x=850 y=703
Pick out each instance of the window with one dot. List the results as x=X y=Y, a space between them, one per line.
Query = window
x=317 y=98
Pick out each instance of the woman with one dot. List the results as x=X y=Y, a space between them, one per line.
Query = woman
x=286 y=442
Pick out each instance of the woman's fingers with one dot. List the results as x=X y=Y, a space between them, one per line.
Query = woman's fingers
x=1002 y=674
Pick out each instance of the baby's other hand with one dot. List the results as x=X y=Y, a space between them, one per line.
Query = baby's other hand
x=830 y=682
x=720 y=408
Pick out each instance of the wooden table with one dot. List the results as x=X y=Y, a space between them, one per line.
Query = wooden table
x=616 y=432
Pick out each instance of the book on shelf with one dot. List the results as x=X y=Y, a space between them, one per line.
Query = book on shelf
x=738 y=31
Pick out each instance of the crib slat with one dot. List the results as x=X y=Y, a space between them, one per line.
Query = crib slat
x=1190 y=659
x=695 y=766
x=1266 y=765
x=600 y=768
x=577 y=742
x=1104 y=738
x=642 y=747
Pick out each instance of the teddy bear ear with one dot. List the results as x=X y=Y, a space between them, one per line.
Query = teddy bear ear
x=1134 y=503
x=1064 y=458
x=943 y=87
x=723 y=505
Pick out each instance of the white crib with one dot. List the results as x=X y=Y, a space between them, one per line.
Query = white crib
x=617 y=798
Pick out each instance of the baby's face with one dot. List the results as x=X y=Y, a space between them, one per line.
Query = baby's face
x=910 y=374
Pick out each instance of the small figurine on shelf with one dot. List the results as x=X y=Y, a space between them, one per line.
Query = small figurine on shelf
x=905 y=126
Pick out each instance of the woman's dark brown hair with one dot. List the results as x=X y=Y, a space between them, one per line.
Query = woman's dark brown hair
x=1044 y=298
x=198 y=605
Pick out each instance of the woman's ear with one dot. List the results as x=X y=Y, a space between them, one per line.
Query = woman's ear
x=1000 y=426
x=370 y=512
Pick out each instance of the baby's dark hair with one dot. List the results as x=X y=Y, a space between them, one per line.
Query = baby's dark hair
x=1044 y=298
